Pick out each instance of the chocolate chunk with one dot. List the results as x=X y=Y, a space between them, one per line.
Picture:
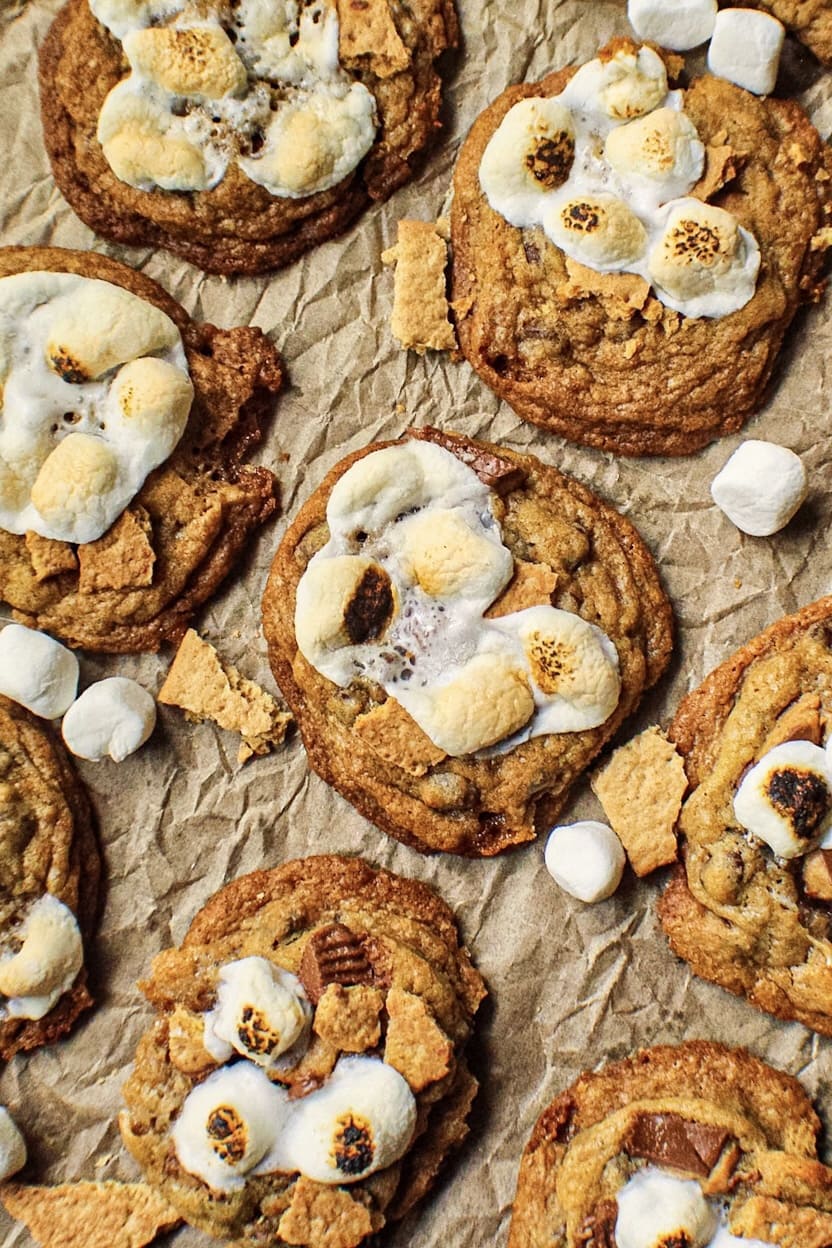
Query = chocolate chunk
x=598 y=1228
x=499 y=474
x=334 y=955
x=668 y=1140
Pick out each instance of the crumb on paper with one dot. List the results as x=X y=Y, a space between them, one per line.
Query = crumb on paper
x=420 y=303
x=122 y=559
x=48 y=557
x=206 y=688
x=641 y=790
x=90 y=1215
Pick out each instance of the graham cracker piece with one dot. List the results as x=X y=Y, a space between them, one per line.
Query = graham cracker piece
x=90 y=1215
x=49 y=558
x=722 y=164
x=766 y=1218
x=366 y=28
x=389 y=732
x=206 y=688
x=349 y=1018
x=123 y=558
x=416 y=1045
x=625 y=293
x=531 y=586
x=327 y=1217
x=185 y=1043
x=313 y=1069
x=420 y=303
x=641 y=789
x=799 y=722
x=817 y=874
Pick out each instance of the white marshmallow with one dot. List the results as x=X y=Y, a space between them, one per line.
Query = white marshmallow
x=281 y=42
x=228 y=1124
x=586 y=859
x=360 y=1121
x=653 y=1207
x=529 y=155
x=662 y=150
x=786 y=799
x=37 y=671
x=761 y=487
x=745 y=48
x=724 y=1239
x=449 y=558
x=12 y=1146
x=122 y=16
x=45 y=966
x=261 y=1012
x=598 y=230
x=705 y=263
x=675 y=24
x=112 y=718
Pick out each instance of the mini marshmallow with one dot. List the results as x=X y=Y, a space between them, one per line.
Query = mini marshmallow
x=228 y=1124
x=196 y=61
x=261 y=1012
x=745 y=48
x=45 y=966
x=663 y=148
x=12 y=1146
x=37 y=671
x=93 y=326
x=704 y=263
x=146 y=146
x=786 y=799
x=655 y=1209
x=529 y=155
x=676 y=24
x=761 y=487
x=112 y=718
x=360 y=1121
x=447 y=558
x=280 y=42
x=586 y=859
x=598 y=230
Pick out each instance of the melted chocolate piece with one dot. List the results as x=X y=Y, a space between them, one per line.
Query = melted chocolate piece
x=669 y=1140
x=500 y=475
x=598 y=1228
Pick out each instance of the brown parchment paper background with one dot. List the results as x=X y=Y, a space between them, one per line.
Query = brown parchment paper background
x=570 y=985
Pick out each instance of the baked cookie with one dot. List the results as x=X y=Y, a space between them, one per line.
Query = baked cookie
x=347 y=995
x=123 y=499
x=458 y=630
x=810 y=20
x=627 y=258
x=698 y=1146
x=234 y=133
x=750 y=907
x=49 y=893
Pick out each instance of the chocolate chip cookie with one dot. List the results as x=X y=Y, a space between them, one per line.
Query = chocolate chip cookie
x=305 y=1076
x=749 y=908
x=238 y=135
x=458 y=629
x=50 y=878
x=87 y=552
x=676 y=1145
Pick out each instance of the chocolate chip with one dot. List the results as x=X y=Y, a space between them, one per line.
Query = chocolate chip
x=669 y=1140
x=598 y=1228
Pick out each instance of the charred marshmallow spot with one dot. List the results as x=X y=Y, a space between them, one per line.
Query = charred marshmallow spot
x=786 y=798
x=550 y=162
x=228 y=1135
x=261 y=1012
x=802 y=797
x=370 y=610
x=353 y=1147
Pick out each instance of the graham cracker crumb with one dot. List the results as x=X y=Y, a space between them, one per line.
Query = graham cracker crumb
x=817 y=874
x=122 y=559
x=316 y=1065
x=722 y=164
x=420 y=304
x=327 y=1217
x=641 y=789
x=792 y=1226
x=366 y=28
x=185 y=1043
x=625 y=293
x=389 y=732
x=416 y=1045
x=49 y=558
x=532 y=585
x=206 y=688
x=349 y=1018
x=90 y=1215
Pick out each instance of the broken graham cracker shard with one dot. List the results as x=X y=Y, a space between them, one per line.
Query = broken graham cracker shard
x=334 y=955
x=641 y=789
x=206 y=688
x=499 y=474
x=90 y=1215
x=420 y=302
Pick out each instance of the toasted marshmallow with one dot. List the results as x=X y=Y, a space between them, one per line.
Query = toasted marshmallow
x=663 y=148
x=197 y=61
x=474 y=705
x=45 y=966
x=786 y=799
x=586 y=859
x=12 y=1146
x=297 y=44
x=745 y=48
x=530 y=154
x=761 y=487
x=314 y=141
x=680 y=25
x=147 y=147
x=627 y=85
x=96 y=326
x=73 y=483
x=705 y=263
x=152 y=399
x=228 y=1124
x=344 y=601
x=37 y=671
x=360 y=1121
x=598 y=230
x=447 y=558
x=261 y=1012
x=656 y=1209
x=112 y=718
x=122 y=16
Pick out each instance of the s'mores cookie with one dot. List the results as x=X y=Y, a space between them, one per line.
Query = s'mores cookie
x=50 y=869
x=458 y=629
x=627 y=257
x=695 y=1146
x=238 y=134
x=749 y=909
x=123 y=426
x=305 y=1077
